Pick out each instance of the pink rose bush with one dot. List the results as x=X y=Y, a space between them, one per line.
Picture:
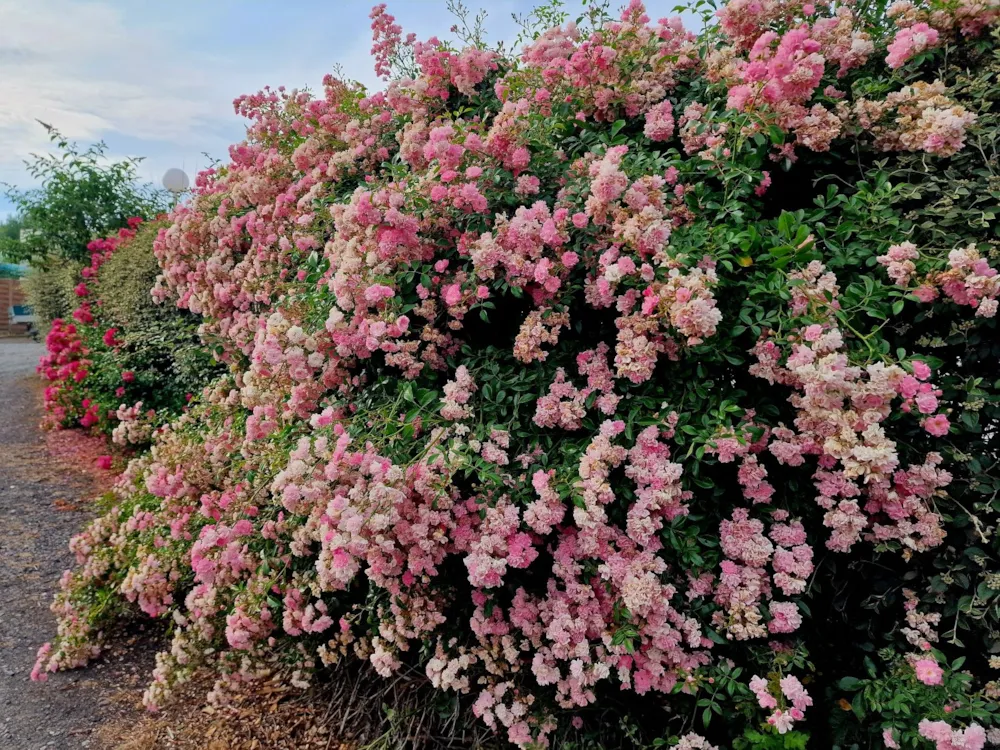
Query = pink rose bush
x=119 y=347
x=610 y=375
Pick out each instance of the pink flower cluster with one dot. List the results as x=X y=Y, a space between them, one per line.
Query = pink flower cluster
x=457 y=393
x=793 y=697
x=134 y=425
x=540 y=327
x=944 y=737
x=660 y=121
x=565 y=404
x=744 y=583
x=910 y=42
x=781 y=51
x=587 y=69
x=968 y=280
x=898 y=262
x=840 y=413
x=65 y=364
x=967 y=18
x=928 y=671
x=916 y=118
x=387 y=38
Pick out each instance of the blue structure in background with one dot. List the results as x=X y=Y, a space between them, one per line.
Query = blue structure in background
x=13 y=270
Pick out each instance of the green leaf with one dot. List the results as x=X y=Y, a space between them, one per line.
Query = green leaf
x=870 y=667
x=849 y=683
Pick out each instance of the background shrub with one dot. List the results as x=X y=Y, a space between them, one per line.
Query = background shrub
x=49 y=290
x=121 y=348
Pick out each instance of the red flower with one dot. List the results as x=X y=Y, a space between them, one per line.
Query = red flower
x=109 y=337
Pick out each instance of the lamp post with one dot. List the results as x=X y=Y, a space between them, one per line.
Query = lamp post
x=176 y=181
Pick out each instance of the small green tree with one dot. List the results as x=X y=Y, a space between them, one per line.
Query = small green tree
x=82 y=196
x=10 y=229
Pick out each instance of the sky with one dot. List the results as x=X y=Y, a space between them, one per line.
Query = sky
x=157 y=79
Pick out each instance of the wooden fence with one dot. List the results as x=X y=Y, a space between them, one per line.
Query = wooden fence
x=11 y=294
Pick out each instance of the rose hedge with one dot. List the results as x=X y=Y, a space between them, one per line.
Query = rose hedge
x=121 y=364
x=642 y=375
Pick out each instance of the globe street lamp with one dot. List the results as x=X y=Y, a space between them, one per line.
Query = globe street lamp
x=176 y=182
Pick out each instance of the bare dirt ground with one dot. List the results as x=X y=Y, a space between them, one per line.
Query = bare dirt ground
x=43 y=502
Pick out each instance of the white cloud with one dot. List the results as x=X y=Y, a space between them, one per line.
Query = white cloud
x=77 y=67
x=163 y=82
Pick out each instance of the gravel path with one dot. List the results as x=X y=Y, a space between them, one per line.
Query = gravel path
x=39 y=511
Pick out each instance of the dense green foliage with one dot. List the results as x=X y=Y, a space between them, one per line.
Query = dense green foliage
x=158 y=343
x=49 y=291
